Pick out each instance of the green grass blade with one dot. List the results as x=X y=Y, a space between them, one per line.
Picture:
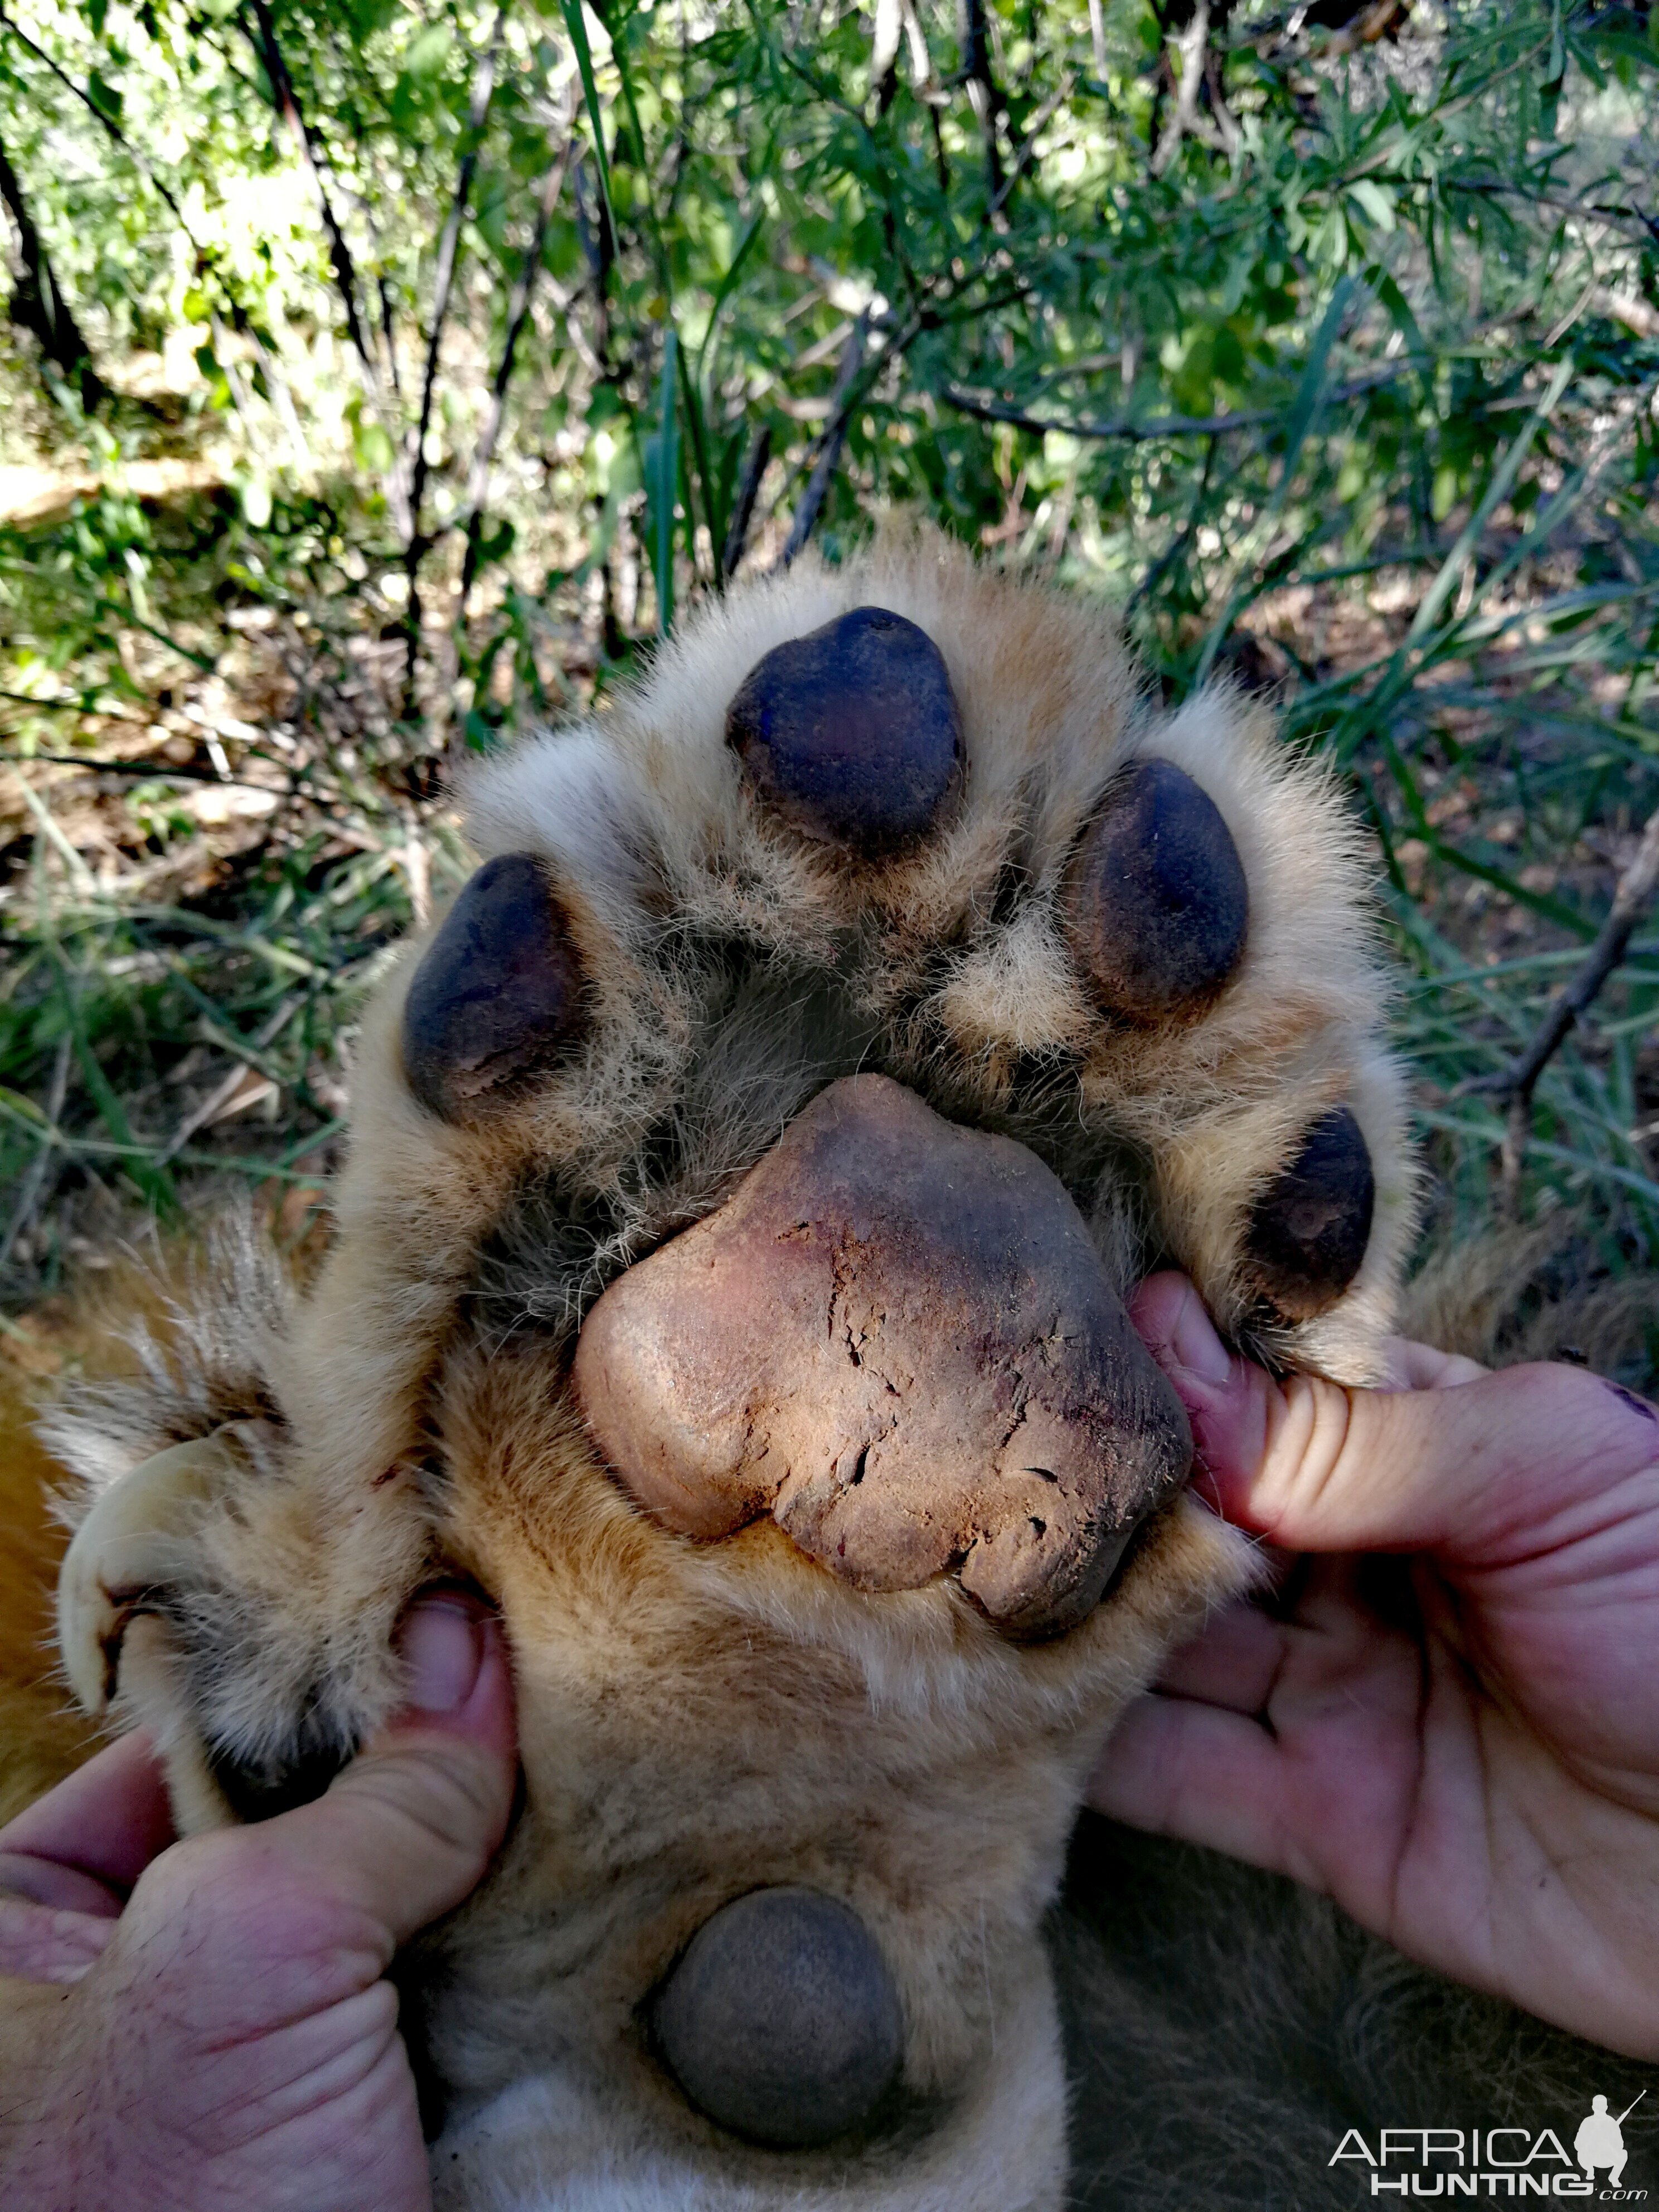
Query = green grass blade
x=578 y=29
x=1498 y=490
x=664 y=479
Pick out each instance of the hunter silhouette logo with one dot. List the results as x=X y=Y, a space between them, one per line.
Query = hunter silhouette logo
x=1600 y=2141
x=1508 y=2161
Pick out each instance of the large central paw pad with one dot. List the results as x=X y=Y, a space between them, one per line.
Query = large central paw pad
x=898 y=1337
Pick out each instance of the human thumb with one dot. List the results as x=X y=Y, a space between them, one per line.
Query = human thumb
x=1476 y=1473
x=407 y=1830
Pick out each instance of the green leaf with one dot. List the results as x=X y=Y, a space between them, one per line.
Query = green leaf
x=373 y=448
x=104 y=96
x=1311 y=388
x=1375 y=203
x=17 y=1103
x=428 y=50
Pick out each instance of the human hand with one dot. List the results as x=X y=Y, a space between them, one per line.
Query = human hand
x=1447 y=1717
x=226 y=2036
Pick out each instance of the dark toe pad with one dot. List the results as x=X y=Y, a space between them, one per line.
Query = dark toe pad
x=898 y=1337
x=1158 y=902
x=852 y=733
x=781 y=2021
x=499 y=994
x=1311 y=1226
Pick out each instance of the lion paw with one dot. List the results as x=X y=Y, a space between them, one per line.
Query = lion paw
x=747 y=1177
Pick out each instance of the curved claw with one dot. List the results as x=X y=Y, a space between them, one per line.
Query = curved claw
x=126 y=1550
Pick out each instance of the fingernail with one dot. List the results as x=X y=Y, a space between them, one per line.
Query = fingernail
x=1196 y=1345
x=442 y=1646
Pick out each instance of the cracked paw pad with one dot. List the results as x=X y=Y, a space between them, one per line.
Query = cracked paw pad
x=498 y=995
x=852 y=733
x=1158 y=904
x=781 y=2021
x=896 y=1337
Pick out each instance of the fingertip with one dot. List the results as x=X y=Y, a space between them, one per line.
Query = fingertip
x=1224 y=1396
x=441 y=1642
x=106 y=1820
x=1169 y=1316
x=458 y=1678
x=1153 y=1307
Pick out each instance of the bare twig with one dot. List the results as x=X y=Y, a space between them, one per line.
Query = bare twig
x=1027 y=147
x=115 y=133
x=1192 y=45
x=383 y=293
x=599 y=245
x=415 y=545
x=38 y=303
x=1098 y=39
x=742 y=514
x=983 y=96
x=1162 y=426
x=888 y=31
x=1516 y=1084
x=517 y=313
x=264 y=38
x=834 y=433
x=854 y=376
x=280 y=397
x=147 y=771
x=212 y=1108
x=1227 y=129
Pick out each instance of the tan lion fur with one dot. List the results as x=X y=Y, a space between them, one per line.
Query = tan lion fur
x=701 y=1720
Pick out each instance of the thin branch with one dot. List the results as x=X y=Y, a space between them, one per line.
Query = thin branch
x=120 y=136
x=1192 y=45
x=483 y=86
x=886 y=35
x=517 y=313
x=1027 y=147
x=415 y=545
x=146 y=771
x=1162 y=426
x=982 y=94
x=383 y=293
x=1516 y=1084
x=1612 y=214
x=280 y=396
x=74 y=707
x=1097 y=39
x=742 y=514
x=264 y=39
x=38 y=303
x=840 y=409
